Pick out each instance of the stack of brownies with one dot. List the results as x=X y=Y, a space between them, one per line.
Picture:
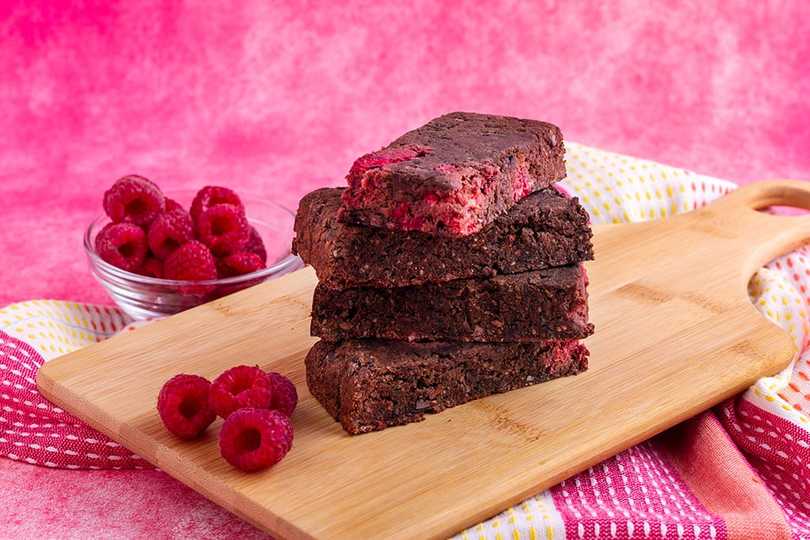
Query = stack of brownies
x=449 y=271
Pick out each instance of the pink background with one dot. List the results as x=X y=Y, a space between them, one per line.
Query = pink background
x=278 y=99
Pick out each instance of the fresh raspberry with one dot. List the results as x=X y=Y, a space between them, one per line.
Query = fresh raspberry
x=239 y=387
x=256 y=245
x=210 y=196
x=255 y=439
x=223 y=228
x=122 y=245
x=151 y=267
x=172 y=205
x=183 y=406
x=134 y=199
x=169 y=231
x=285 y=396
x=238 y=264
x=192 y=261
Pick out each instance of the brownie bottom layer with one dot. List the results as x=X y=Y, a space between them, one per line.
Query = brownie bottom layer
x=368 y=385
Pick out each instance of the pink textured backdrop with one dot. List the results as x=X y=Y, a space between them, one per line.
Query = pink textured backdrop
x=278 y=99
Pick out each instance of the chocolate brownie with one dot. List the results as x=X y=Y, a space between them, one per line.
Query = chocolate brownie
x=532 y=306
x=368 y=385
x=544 y=230
x=454 y=175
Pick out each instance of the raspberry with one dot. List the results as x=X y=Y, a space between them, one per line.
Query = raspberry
x=122 y=245
x=381 y=158
x=239 y=264
x=285 y=396
x=134 y=199
x=255 y=245
x=223 y=228
x=169 y=231
x=183 y=406
x=213 y=195
x=192 y=261
x=255 y=439
x=239 y=387
x=151 y=267
x=172 y=205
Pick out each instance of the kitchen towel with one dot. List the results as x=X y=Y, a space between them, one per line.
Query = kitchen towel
x=741 y=470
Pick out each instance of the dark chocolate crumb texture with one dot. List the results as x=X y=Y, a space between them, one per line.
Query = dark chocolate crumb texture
x=454 y=175
x=546 y=229
x=368 y=385
x=531 y=306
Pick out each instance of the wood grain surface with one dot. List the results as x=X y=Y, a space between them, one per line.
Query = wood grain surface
x=675 y=334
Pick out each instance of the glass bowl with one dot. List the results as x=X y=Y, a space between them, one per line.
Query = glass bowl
x=144 y=297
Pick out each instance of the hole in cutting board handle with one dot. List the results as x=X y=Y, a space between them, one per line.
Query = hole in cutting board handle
x=782 y=198
x=782 y=210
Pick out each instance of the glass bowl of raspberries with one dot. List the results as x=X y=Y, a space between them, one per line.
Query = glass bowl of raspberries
x=160 y=253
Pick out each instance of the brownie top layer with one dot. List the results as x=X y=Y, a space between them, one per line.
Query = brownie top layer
x=454 y=175
x=459 y=138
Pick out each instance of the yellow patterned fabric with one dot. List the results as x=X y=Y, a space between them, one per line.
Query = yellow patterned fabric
x=55 y=328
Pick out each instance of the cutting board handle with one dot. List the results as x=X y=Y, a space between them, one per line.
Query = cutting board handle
x=760 y=195
x=761 y=235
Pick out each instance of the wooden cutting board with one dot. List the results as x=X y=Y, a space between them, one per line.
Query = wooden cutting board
x=675 y=334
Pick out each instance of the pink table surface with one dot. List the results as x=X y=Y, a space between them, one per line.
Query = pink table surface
x=278 y=99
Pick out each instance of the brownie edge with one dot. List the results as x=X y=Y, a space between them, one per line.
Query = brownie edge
x=368 y=385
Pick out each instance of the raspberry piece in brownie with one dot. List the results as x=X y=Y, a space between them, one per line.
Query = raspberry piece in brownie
x=122 y=245
x=454 y=175
x=368 y=385
x=134 y=199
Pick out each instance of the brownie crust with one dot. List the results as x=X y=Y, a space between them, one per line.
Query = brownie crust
x=531 y=306
x=546 y=229
x=454 y=175
x=368 y=385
